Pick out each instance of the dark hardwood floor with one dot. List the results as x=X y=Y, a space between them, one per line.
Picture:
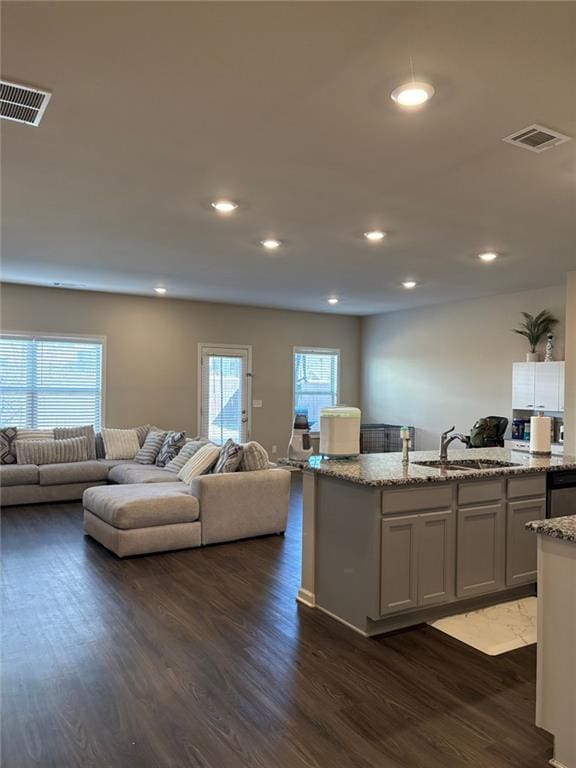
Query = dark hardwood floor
x=202 y=658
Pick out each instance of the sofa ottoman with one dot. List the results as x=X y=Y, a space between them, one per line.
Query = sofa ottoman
x=138 y=519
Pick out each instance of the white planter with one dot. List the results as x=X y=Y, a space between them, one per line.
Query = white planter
x=532 y=357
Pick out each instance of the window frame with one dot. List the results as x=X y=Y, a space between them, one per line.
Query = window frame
x=315 y=350
x=71 y=337
x=204 y=346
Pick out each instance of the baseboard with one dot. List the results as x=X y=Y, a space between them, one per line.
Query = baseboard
x=342 y=621
x=556 y=763
x=306 y=598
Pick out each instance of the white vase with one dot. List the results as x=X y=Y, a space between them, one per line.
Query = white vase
x=532 y=357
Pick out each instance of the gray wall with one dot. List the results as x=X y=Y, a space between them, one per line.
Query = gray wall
x=450 y=364
x=152 y=351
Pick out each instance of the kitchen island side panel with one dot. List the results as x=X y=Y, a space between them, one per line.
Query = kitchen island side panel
x=347 y=550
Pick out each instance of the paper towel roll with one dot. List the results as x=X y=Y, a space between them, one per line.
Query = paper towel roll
x=540 y=435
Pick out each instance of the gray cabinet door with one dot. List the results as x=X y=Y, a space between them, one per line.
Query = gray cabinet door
x=436 y=558
x=399 y=564
x=480 y=546
x=521 y=547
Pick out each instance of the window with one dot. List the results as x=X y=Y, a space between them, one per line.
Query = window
x=316 y=378
x=50 y=381
x=225 y=393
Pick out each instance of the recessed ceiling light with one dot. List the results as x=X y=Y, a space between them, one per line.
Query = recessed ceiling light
x=224 y=206
x=333 y=300
x=409 y=284
x=375 y=235
x=412 y=94
x=488 y=256
x=271 y=243
x=161 y=291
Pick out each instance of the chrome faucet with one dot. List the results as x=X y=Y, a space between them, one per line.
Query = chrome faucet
x=445 y=442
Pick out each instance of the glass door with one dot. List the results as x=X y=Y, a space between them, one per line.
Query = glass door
x=224 y=396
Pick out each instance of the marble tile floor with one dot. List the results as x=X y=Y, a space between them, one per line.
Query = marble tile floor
x=494 y=630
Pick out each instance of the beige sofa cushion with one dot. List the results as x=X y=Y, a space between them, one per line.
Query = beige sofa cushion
x=18 y=474
x=138 y=473
x=76 y=472
x=135 y=506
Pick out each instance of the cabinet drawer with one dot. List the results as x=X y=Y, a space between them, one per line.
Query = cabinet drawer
x=414 y=499
x=479 y=492
x=532 y=485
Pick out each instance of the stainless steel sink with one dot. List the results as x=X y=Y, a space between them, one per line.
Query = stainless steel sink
x=467 y=464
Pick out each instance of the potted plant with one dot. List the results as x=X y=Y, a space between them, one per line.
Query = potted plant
x=534 y=328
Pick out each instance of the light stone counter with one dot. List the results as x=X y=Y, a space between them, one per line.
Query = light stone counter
x=383 y=469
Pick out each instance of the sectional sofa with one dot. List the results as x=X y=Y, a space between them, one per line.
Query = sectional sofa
x=135 y=509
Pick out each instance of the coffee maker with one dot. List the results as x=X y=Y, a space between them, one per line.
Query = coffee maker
x=300 y=446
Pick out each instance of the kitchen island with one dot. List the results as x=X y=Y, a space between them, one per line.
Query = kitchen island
x=387 y=546
x=556 y=672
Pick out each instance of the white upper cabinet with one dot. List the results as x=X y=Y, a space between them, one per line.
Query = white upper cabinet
x=538 y=386
x=523 y=377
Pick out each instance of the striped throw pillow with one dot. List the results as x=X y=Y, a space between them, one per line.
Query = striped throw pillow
x=190 y=448
x=34 y=434
x=62 y=451
x=254 y=457
x=201 y=463
x=62 y=433
x=120 y=443
x=147 y=454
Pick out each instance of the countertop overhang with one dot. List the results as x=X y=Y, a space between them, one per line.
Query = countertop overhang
x=556 y=527
x=386 y=469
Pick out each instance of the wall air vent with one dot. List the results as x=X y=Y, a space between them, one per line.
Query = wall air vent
x=536 y=138
x=22 y=103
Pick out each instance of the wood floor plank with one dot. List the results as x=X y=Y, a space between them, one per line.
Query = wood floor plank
x=203 y=659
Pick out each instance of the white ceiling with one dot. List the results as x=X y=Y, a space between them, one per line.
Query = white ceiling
x=159 y=108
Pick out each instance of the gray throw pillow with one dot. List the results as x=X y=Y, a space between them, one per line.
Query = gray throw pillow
x=190 y=448
x=170 y=448
x=149 y=451
x=8 y=445
x=230 y=457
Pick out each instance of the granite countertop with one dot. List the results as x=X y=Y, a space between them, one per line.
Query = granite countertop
x=556 y=527
x=381 y=469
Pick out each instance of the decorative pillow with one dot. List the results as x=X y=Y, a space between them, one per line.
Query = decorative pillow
x=190 y=448
x=7 y=445
x=147 y=454
x=201 y=463
x=61 y=451
x=171 y=448
x=254 y=457
x=100 y=450
x=120 y=443
x=143 y=433
x=230 y=457
x=62 y=433
x=34 y=434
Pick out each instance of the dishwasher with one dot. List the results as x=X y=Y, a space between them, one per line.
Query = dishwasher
x=561 y=493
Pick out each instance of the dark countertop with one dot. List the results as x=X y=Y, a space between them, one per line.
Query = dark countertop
x=556 y=527
x=386 y=469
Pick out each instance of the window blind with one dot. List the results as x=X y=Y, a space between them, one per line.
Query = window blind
x=50 y=382
x=315 y=382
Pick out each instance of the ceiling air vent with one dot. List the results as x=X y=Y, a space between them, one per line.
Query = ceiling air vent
x=22 y=103
x=536 y=138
